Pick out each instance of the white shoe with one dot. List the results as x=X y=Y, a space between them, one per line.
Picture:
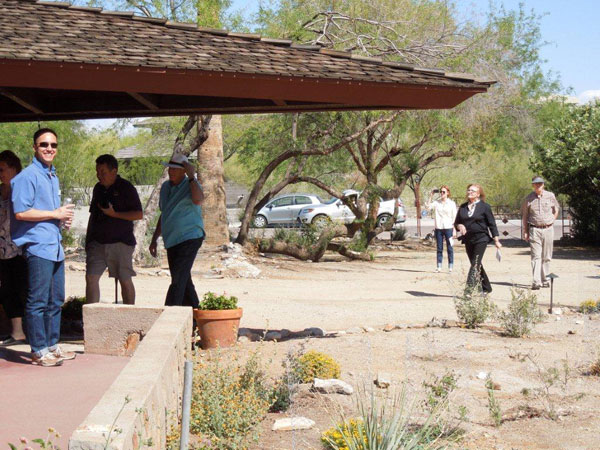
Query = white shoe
x=438 y=270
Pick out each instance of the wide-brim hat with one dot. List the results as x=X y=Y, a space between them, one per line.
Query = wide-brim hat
x=537 y=179
x=176 y=162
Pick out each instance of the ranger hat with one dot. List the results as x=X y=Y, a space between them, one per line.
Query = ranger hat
x=537 y=179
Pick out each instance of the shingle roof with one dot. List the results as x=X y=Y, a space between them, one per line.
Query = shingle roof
x=40 y=32
x=51 y=31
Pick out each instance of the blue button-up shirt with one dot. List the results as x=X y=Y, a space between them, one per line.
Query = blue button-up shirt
x=36 y=187
x=181 y=219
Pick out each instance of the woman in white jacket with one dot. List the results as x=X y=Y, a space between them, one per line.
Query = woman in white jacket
x=443 y=211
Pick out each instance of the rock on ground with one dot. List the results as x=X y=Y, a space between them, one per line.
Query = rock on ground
x=294 y=423
x=332 y=386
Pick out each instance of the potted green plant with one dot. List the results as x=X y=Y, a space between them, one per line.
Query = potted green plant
x=218 y=320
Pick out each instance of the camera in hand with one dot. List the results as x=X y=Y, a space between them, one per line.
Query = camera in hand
x=436 y=191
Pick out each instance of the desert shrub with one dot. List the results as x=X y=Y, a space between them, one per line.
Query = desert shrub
x=595 y=368
x=399 y=234
x=439 y=389
x=522 y=315
x=389 y=424
x=228 y=402
x=589 y=306
x=493 y=404
x=211 y=301
x=306 y=237
x=473 y=307
x=313 y=364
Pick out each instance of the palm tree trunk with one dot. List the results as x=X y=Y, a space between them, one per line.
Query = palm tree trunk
x=211 y=175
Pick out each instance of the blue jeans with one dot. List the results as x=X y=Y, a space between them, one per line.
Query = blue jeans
x=45 y=296
x=440 y=234
x=181 y=259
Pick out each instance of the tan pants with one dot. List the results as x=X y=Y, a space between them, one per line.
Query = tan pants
x=541 y=241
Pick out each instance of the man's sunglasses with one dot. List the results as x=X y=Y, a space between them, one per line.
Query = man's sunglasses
x=47 y=144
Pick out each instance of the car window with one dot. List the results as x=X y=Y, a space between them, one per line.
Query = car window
x=331 y=200
x=285 y=201
x=302 y=200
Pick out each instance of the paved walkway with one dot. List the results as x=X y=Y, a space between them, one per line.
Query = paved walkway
x=33 y=398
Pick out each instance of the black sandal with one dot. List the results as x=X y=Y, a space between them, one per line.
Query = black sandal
x=11 y=341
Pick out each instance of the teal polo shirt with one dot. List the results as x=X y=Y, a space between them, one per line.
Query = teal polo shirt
x=36 y=187
x=181 y=219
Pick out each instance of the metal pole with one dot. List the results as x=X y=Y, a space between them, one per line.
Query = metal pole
x=418 y=205
x=551 y=294
x=186 y=405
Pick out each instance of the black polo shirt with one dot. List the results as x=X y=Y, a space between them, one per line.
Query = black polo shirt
x=108 y=230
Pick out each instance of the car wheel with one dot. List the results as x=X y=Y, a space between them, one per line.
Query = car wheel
x=382 y=219
x=260 y=221
x=320 y=221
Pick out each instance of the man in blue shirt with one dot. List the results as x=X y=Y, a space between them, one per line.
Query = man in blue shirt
x=182 y=229
x=36 y=229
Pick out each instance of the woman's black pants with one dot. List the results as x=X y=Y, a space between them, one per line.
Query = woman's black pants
x=477 y=275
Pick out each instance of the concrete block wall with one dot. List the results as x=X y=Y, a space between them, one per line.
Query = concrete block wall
x=111 y=329
x=152 y=382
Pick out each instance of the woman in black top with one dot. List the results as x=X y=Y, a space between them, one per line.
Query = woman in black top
x=475 y=221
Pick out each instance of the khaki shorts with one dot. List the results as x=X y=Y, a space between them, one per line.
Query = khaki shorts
x=117 y=257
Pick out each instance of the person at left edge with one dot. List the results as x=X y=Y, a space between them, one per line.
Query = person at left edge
x=109 y=241
x=36 y=229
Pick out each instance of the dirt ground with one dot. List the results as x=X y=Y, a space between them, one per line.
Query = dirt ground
x=401 y=288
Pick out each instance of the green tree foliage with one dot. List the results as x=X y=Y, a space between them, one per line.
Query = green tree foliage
x=504 y=47
x=569 y=159
x=77 y=151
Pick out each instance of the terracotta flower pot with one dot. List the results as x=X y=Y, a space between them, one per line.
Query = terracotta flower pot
x=218 y=328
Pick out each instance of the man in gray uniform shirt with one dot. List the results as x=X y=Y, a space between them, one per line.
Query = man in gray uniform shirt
x=539 y=211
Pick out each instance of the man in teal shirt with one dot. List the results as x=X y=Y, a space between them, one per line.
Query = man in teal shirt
x=182 y=229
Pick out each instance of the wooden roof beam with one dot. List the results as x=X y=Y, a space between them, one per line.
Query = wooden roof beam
x=20 y=100
x=144 y=100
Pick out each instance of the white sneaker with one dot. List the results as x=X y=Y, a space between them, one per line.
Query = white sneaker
x=64 y=355
x=438 y=270
x=48 y=360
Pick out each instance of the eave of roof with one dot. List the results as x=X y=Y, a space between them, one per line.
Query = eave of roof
x=153 y=62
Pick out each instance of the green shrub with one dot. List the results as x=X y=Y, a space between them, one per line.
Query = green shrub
x=211 y=301
x=473 y=307
x=439 y=389
x=522 y=315
x=493 y=404
x=399 y=234
x=313 y=364
x=281 y=395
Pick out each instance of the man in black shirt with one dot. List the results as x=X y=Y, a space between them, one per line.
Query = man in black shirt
x=110 y=241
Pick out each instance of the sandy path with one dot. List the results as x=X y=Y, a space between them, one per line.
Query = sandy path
x=399 y=287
